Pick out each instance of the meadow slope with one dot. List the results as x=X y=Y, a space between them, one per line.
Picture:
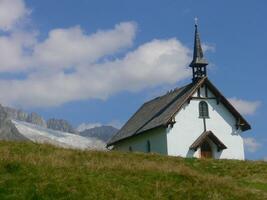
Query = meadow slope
x=35 y=171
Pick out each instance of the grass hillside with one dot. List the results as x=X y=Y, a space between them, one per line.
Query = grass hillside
x=34 y=171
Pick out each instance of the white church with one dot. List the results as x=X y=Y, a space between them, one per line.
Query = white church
x=195 y=120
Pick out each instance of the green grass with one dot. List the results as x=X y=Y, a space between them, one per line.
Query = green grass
x=34 y=171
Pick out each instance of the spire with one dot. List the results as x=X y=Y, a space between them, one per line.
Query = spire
x=198 y=57
x=198 y=63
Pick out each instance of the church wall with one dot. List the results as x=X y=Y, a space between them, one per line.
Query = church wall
x=189 y=127
x=157 y=138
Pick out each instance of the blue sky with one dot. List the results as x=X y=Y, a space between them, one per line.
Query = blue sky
x=137 y=34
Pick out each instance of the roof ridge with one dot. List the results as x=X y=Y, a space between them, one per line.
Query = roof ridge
x=165 y=107
x=167 y=93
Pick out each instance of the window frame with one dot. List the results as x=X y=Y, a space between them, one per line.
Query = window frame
x=203 y=109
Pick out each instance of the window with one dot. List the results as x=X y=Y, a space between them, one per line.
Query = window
x=203 y=110
x=148 y=146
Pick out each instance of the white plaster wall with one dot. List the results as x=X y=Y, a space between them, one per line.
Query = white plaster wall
x=189 y=126
x=157 y=138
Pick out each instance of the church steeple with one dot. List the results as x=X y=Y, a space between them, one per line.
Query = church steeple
x=198 y=63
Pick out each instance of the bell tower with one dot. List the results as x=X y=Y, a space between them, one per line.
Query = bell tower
x=198 y=63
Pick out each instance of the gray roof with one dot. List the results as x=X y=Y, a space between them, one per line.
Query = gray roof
x=161 y=110
x=154 y=113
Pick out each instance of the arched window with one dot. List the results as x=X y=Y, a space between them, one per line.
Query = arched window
x=148 y=146
x=203 y=110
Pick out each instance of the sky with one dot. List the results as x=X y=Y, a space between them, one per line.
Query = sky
x=95 y=62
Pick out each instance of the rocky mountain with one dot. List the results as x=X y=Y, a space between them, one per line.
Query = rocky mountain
x=16 y=125
x=103 y=133
x=8 y=131
x=33 y=118
x=40 y=134
x=60 y=125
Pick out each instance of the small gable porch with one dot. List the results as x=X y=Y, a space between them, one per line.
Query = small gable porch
x=207 y=145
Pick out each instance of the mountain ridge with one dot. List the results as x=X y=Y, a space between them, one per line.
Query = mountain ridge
x=9 y=131
x=17 y=125
x=103 y=133
x=34 y=118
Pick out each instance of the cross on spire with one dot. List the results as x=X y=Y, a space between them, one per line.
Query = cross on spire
x=196 y=20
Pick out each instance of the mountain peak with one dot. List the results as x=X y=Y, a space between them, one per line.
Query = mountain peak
x=103 y=133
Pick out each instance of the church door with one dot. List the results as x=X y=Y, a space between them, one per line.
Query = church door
x=206 y=151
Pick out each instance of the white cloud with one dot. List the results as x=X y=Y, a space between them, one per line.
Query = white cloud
x=208 y=47
x=156 y=62
x=92 y=73
x=14 y=51
x=11 y=12
x=63 y=48
x=245 y=107
x=251 y=144
x=68 y=47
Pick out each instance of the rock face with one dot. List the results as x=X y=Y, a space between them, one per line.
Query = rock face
x=103 y=133
x=8 y=131
x=33 y=118
x=60 y=125
x=13 y=113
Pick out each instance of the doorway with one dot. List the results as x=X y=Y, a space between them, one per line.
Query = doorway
x=205 y=150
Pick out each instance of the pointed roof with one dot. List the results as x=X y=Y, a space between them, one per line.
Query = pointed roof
x=162 y=110
x=210 y=135
x=198 y=56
